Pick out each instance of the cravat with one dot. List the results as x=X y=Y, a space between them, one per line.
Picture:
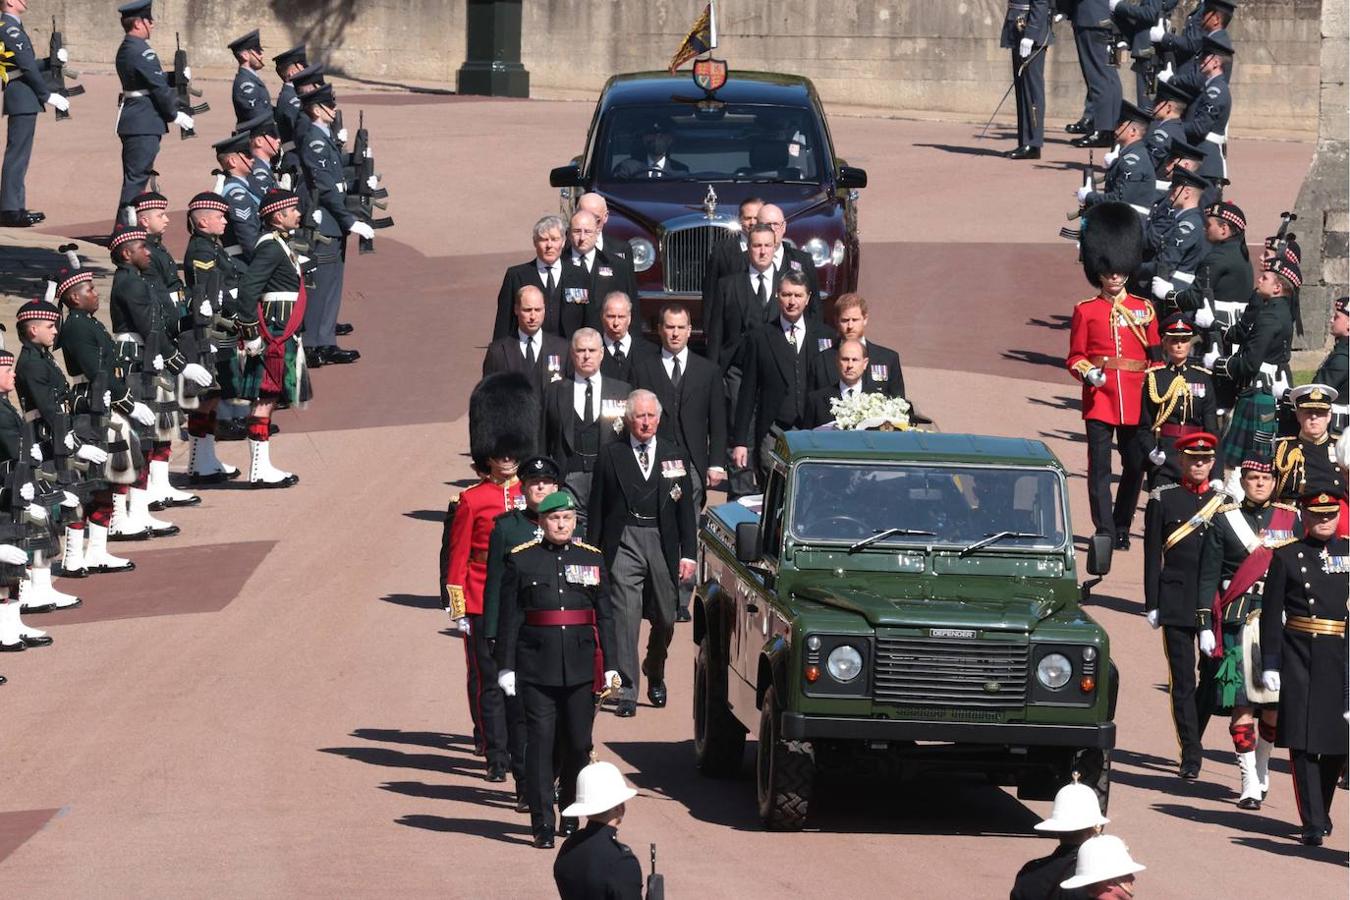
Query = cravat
x=675 y=371
x=643 y=459
x=587 y=417
x=530 y=358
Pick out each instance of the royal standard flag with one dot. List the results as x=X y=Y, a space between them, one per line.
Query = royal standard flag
x=701 y=38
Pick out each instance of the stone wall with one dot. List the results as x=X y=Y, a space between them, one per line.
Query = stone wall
x=933 y=57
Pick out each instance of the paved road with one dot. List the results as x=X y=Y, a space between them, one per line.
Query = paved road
x=268 y=706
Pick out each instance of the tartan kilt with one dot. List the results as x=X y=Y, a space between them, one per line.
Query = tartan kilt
x=227 y=372
x=1252 y=427
x=297 y=389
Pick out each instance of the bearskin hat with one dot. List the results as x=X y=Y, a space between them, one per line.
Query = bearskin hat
x=1112 y=241
x=503 y=418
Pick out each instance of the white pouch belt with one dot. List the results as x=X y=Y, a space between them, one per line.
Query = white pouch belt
x=1216 y=138
x=1340 y=409
x=1161 y=185
x=234 y=250
x=1230 y=306
x=78 y=379
x=1184 y=277
x=127 y=95
x=129 y=337
x=1142 y=210
x=280 y=296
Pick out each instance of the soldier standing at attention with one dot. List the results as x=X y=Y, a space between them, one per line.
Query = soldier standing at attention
x=1027 y=32
x=553 y=648
x=1178 y=400
x=249 y=94
x=1303 y=656
x=148 y=104
x=1092 y=37
x=1112 y=337
x=1075 y=818
x=1175 y=522
x=26 y=94
x=288 y=111
x=1309 y=457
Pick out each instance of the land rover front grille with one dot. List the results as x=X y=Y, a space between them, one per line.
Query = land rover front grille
x=684 y=255
x=922 y=671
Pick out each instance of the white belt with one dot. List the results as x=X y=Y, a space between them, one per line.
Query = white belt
x=129 y=337
x=32 y=415
x=1229 y=306
x=234 y=250
x=1184 y=277
x=1161 y=185
x=1142 y=210
x=280 y=296
x=1216 y=138
x=127 y=95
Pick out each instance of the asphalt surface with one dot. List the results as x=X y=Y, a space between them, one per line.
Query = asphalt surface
x=269 y=707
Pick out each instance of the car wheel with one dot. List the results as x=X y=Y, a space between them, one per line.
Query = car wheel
x=1094 y=769
x=785 y=772
x=719 y=740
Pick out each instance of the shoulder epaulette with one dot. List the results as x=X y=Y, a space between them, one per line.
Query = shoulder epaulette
x=1227 y=507
x=1282 y=505
x=585 y=546
x=1203 y=369
x=1157 y=492
x=530 y=543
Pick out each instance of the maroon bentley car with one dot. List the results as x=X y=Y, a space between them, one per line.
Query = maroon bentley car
x=674 y=162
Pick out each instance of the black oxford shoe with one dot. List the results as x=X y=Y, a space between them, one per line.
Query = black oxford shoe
x=1096 y=139
x=657 y=694
x=543 y=839
x=682 y=614
x=342 y=329
x=1249 y=803
x=43 y=641
x=496 y=773
x=1123 y=540
x=626 y=709
x=1025 y=152
x=313 y=359
x=1311 y=837
x=338 y=356
x=1190 y=770
x=1082 y=126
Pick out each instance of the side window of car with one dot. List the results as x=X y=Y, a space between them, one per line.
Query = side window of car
x=773 y=514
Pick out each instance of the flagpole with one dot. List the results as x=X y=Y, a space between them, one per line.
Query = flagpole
x=712 y=24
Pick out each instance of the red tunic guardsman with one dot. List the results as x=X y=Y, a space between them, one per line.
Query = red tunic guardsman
x=502 y=411
x=1112 y=337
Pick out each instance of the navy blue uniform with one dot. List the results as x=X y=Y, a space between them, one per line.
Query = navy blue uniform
x=25 y=94
x=148 y=106
x=321 y=159
x=1128 y=180
x=1028 y=19
x=1207 y=125
x=242 y=225
x=1093 y=43
x=249 y=95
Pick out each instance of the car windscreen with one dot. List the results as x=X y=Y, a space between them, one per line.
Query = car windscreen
x=958 y=505
x=729 y=142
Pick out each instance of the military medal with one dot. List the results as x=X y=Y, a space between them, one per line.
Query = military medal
x=1335 y=565
x=676 y=493
x=584 y=575
x=823 y=344
x=673 y=468
x=606 y=272
x=881 y=372
x=576 y=295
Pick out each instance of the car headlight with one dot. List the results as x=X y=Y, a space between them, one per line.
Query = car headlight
x=819 y=250
x=1054 y=670
x=644 y=254
x=844 y=664
x=837 y=254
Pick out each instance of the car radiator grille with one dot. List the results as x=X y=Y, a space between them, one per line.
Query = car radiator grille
x=950 y=673
x=684 y=255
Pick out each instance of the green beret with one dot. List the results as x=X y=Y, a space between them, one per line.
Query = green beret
x=556 y=501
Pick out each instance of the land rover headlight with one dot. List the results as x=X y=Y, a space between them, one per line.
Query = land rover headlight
x=844 y=664
x=644 y=254
x=819 y=250
x=1054 y=671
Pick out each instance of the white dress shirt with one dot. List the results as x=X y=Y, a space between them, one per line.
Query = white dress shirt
x=527 y=340
x=589 y=259
x=668 y=361
x=624 y=343
x=797 y=328
x=637 y=455
x=755 y=275
x=857 y=389
x=579 y=396
x=545 y=268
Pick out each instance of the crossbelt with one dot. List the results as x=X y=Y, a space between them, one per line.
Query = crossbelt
x=1184 y=277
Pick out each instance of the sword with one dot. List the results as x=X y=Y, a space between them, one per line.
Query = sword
x=1021 y=70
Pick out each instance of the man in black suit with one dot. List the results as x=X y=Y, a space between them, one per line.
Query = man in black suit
x=545 y=272
x=883 y=373
x=622 y=347
x=743 y=300
x=727 y=255
x=790 y=259
x=643 y=521
x=692 y=399
x=588 y=277
x=779 y=358
x=850 y=361
x=528 y=349
x=581 y=415
x=616 y=249
x=653 y=160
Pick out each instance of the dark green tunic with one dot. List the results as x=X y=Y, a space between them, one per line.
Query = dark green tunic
x=90 y=356
x=42 y=386
x=164 y=270
x=510 y=530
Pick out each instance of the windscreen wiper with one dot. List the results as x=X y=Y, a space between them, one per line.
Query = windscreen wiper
x=889 y=532
x=994 y=539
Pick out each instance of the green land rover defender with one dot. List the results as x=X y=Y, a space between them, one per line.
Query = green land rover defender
x=904 y=600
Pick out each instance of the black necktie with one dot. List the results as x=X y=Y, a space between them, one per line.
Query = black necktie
x=764 y=288
x=619 y=356
x=643 y=459
x=586 y=264
x=550 y=286
x=587 y=417
x=530 y=358
x=675 y=371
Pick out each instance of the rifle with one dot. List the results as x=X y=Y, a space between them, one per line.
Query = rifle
x=58 y=72
x=1088 y=182
x=182 y=86
x=656 y=883
x=362 y=199
x=202 y=347
x=308 y=237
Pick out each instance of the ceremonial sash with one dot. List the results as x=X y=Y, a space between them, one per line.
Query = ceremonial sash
x=1253 y=568
x=1201 y=516
x=274 y=354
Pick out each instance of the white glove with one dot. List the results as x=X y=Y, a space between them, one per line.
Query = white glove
x=89 y=453
x=1112 y=4
x=284 y=182
x=463 y=625
x=317 y=216
x=342 y=135
x=56 y=101
x=158 y=363
x=197 y=375
x=1216 y=484
x=1210 y=358
x=1270 y=680
x=36 y=453
x=1155 y=33
x=187 y=73
x=1082 y=193
x=1204 y=317
x=506 y=680
x=12 y=556
x=373 y=182
x=1207 y=641
x=62 y=56
x=69 y=500
x=1059 y=17
x=611 y=677
x=253 y=347
x=70 y=440
x=205 y=309
x=1153 y=618
x=142 y=414
x=1024 y=48
x=183 y=121
x=362 y=230
x=26 y=492
x=1166 y=73
x=1110 y=157
x=1095 y=377
x=37 y=513
x=1161 y=287
x=107 y=399
x=1157 y=456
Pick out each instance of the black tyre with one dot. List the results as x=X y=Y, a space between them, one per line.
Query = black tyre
x=719 y=740
x=1094 y=769
x=785 y=772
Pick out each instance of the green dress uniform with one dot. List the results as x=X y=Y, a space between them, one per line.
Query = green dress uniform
x=1303 y=638
x=145 y=320
x=13 y=529
x=554 y=627
x=164 y=270
x=1258 y=371
x=212 y=274
x=1236 y=530
x=1178 y=401
x=271 y=297
x=91 y=358
x=47 y=401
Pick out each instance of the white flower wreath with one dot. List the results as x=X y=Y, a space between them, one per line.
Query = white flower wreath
x=864 y=411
